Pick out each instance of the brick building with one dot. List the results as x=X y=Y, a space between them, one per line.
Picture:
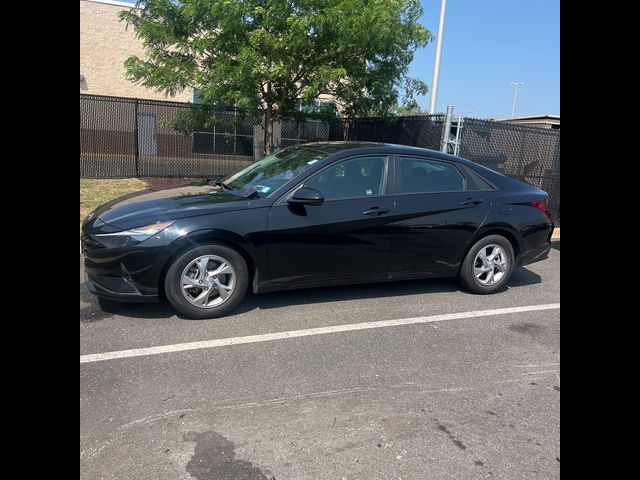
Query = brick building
x=105 y=43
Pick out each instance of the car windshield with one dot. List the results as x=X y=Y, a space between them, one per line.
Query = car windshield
x=269 y=174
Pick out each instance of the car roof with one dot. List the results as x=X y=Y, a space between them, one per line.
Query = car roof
x=340 y=148
x=380 y=147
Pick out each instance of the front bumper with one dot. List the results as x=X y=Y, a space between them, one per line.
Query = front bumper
x=130 y=274
x=116 y=288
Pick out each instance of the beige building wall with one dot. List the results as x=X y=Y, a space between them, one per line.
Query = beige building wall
x=105 y=43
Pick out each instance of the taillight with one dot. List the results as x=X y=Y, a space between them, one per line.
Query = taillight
x=542 y=207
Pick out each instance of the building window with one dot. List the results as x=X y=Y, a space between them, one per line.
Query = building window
x=316 y=106
x=197 y=96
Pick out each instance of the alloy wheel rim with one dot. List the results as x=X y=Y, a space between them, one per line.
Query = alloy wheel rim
x=208 y=281
x=490 y=264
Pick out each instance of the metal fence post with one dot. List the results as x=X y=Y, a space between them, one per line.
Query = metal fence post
x=456 y=145
x=135 y=133
x=444 y=143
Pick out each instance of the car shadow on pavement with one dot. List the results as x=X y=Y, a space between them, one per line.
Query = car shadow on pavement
x=519 y=278
x=92 y=309
x=522 y=277
x=344 y=292
x=555 y=244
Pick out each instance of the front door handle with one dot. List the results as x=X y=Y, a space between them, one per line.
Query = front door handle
x=375 y=211
x=472 y=201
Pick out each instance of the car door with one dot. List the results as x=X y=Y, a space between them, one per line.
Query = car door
x=438 y=209
x=347 y=236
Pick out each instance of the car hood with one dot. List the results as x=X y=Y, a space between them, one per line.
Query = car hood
x=156 y=205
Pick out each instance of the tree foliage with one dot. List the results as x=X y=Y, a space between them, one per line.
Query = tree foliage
x=265 y=56
x=408 y=110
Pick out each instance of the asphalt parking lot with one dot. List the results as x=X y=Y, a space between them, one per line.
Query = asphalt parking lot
x=432 y=398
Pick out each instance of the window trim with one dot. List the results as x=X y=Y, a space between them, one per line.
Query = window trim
x=470 y=172
x=388 y=190
x=397 y=186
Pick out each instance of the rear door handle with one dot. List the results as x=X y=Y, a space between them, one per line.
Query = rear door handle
x=472 y=201
x=375 y=211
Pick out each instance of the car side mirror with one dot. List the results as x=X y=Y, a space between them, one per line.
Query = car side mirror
x=307 y=196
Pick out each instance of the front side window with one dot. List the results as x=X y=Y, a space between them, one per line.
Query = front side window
x=358 y=177
x=424 y=176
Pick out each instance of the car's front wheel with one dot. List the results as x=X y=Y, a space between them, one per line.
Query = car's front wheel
x=488 y=265
x=207 y=281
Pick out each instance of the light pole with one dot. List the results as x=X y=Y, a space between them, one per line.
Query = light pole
x=436 y=61
x=516 y=86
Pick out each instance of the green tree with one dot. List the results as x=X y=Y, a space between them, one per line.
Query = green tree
x=264 y=56
x=405 y=110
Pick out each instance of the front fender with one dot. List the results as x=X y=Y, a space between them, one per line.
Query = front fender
x=249 y=251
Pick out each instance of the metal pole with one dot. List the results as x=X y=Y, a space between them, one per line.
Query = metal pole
x=436 y=62
x=513 y=107
x=516 y=86
x=444 y=144
x=456 y=145
x=135 y=133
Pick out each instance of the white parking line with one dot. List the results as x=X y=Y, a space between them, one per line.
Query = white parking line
x=223 y=342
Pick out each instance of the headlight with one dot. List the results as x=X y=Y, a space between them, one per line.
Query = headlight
x=133 y=236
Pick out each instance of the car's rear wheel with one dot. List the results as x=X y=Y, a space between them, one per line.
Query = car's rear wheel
x=488 y=265
x=207 y=281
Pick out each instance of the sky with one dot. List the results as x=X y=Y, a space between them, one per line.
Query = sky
x=487 y=45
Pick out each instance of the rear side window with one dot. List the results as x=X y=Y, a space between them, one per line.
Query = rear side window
x=480 y=183
x=424 y=176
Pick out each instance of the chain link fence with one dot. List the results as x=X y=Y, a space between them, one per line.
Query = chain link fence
x=294 y=132
x=419 y=131
x=530 y=154
x=125 y=137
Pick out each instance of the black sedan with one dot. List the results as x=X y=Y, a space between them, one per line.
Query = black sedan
x=316 y=214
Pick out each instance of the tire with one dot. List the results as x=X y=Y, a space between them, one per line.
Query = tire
x=483 y=283
x=185 y=275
